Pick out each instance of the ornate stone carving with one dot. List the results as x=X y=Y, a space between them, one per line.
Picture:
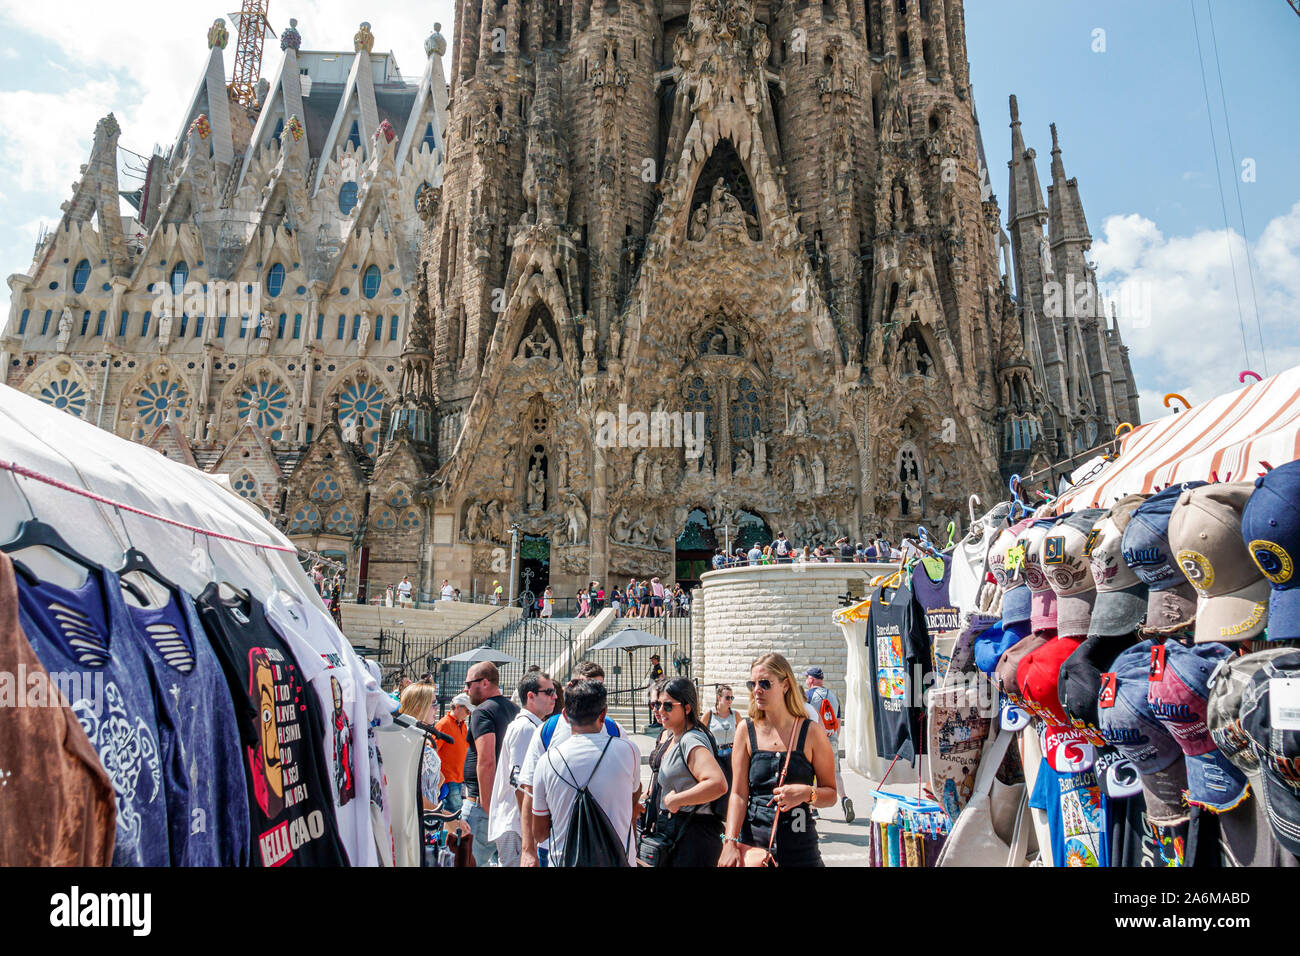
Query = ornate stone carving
x=218 y=35
x=364 y=41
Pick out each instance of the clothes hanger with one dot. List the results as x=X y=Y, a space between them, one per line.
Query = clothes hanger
x=219 y=577
x=135 y=561
x=34 y=533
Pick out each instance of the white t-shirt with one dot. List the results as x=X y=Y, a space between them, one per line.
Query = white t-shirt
x=335 y=673
x=568 y=766
x=448 y=592
x=503 y=812
x=563 y=731
x=404 y=589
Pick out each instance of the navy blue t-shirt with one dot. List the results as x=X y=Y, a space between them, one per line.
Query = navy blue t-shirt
x=84 y=638
x=209 y=817
x=898 y=648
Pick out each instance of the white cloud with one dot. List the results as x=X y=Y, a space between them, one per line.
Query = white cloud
x=1188 y=338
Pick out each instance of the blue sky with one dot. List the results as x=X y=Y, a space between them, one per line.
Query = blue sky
x=1132 y=121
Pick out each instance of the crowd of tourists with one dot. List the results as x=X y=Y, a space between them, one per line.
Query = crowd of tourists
x=527 y=776
x=783 y=551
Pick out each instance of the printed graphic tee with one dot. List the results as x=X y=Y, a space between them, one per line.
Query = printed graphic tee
x=281 y=735
x=349 y=699
x=84 y=638
x=899 y=649
x=1077 y=816
x=207 y=811
x=56 y=800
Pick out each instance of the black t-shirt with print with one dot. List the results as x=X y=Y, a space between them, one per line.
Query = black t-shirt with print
x=898 y=645
x=492 y=716
x=281 y=734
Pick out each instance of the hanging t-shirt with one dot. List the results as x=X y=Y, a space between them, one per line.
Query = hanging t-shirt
x=381 y=819
x=942 y=619
x=208 y=818
x=84 y=637
x=292 y=816
x=56 y=800
x=349 y=700
x=898 y=643
x=1076 y=812
x=1135 y=842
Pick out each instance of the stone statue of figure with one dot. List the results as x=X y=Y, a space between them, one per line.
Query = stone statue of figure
x=744 y=463
x=473 y=518
x=699 y=224
x=724 y=207
x=538 y=345
x=819 y=474
x=799 y=420
x=491 y=520
x=1045 y=253
x=209 y=429
x=509 y=472
x=536 y=487
x=800 y=475
x=639 y=533
x=911 y=358
x=760 y=455
x=436 y=44
x=577 y=516
x=622 y=524
x=65 y=330
x=164 y=329
x=363 y=334
x=708 y=458
x=562 y=469
x=938 y=474
x=350 y=430
x=638 y=471
x=657 y=477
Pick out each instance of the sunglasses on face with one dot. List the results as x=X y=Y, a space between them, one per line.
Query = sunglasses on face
x=471 y=683
x=763 y=684
x=549 y=692
x=728 y=697
x=666 y=706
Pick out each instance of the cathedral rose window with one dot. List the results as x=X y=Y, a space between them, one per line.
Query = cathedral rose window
x=157 y=399
x=264 y=404
x=304 y=520
x=65 y=395
x=326 y=489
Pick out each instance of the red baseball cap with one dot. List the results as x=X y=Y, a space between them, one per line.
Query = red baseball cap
x=1038 y=673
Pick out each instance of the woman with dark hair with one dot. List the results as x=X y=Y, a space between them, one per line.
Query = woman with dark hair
x=721 y=721
x=689 y=779
x=779 y=768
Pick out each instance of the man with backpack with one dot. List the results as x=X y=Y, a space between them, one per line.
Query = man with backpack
x=585 y=789
x=781 y=549
x=827 y=707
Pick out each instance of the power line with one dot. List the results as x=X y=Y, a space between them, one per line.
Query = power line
x=1236 y=181
x=1218 y=178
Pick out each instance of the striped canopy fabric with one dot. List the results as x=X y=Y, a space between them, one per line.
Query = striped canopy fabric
x=1230 y=437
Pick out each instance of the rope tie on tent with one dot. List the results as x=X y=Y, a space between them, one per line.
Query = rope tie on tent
x=64 y=486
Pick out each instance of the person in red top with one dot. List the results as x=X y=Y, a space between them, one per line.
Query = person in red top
x=455 y=724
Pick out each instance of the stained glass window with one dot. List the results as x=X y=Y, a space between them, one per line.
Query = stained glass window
x=411 y=520
x=745 y=421
x=347 y=197
x=370 y=282
x=341 y=520
x=386 y=520
x=326 y=489
x=700 y=399
x=304 y=520
x=364 y=401
x=81 y=276
x=245 y=486
x=400 y=498
x=65 y=395
x=158 y=399
x=264 y=404
x=275 y=280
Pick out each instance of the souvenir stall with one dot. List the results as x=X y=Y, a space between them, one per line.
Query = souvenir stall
x=179 y=694
x=1124 y=687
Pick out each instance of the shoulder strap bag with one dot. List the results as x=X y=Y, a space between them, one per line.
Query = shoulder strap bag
x=974 y=840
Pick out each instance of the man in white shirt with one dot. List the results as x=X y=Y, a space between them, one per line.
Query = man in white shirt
x=537 y=695
x=608 y=767
x=448 y=592
x=535 y=851
x=404 y=591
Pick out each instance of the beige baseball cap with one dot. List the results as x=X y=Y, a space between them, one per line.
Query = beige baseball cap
x=1205 y=536
x=1066 y=566
x=1121 y=595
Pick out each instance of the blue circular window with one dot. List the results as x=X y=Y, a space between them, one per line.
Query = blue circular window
x=81 y=275
x=348 y=197
x=264 y=404
x=275 y=280
x=65 y=395
x=370 y=282
x=157 y=399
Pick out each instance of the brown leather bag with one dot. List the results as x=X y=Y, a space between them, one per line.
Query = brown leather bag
x=762 y=855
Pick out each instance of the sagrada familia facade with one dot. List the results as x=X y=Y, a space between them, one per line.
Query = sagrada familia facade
x=764 y=227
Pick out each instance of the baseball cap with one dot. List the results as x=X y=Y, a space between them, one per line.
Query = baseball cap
x=970 y=557
x=462 y=700
x=1228 y=684
x=1117 y=775
x=1065 y=563
x=1004 y=675
x=1178 y=695
x=1079 y=683
x=1205 y=533
x=1267 y=723
x=1038 y=673
x=994 y=641
x=1270 y=525
x=1172 y=600
x=1121 y=595
x=815 y=672
x=1067 y=750
x=1012 y=718
x=1128 y=725
x=1042 y=599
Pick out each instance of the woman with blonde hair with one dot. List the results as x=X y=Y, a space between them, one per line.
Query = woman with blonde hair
x=777 y=768
x=419 y=700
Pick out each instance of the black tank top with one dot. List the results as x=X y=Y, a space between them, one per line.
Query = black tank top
x=796 y=835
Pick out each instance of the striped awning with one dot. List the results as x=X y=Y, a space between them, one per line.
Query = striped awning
x=1230 y=437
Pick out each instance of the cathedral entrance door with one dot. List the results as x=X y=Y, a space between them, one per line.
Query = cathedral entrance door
x=534 y=570
x=695 y=547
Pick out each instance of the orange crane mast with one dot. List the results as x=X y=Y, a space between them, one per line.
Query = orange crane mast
x=253 y=27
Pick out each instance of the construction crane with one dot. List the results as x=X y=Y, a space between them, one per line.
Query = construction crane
x=253 y=27
x=1295 y=5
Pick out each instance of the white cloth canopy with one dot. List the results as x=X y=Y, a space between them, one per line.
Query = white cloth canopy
x=1230 y=436
x=61 y=446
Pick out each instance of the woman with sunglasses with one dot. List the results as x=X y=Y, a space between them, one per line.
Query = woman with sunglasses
x=689 y=778
x=778 y=738
x=721 y=721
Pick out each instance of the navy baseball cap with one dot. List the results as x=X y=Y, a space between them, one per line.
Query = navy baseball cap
x=1172 y=599
x=1278 y=749
x=1179 y=697
x=1270 y=526
x=1128 y=725
x=816 y=672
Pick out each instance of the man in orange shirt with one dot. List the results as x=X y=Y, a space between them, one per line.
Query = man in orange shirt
x=455 y=724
